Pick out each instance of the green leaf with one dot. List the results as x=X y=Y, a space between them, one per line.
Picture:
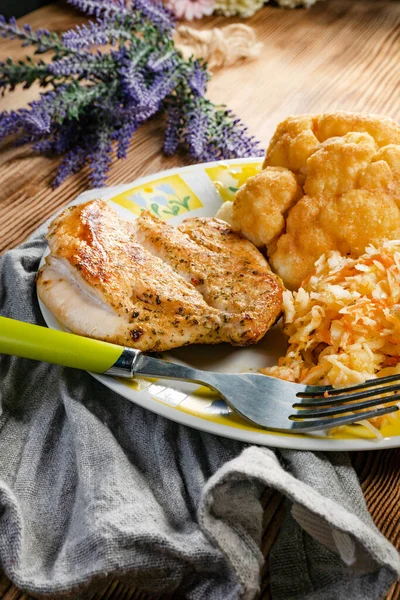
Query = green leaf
x=233 y=189
x=185 y=202
x=155 y=208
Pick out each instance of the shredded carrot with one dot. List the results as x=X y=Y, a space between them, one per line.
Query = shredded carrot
x=386 y=260
x=391 y=361
x=325 y=336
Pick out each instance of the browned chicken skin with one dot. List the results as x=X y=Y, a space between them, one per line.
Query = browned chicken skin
x=152 y=286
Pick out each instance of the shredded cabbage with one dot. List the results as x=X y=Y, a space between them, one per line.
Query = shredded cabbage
x=344 y=322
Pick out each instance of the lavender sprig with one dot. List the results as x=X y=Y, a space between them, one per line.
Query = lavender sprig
x=173 y=133
x=163 y=59
x=99 y=97
x=198 y=78
x=24 y=72
x=99 y=157
x=91 y=66
x=123 y=135
x=198 y=122
x=43 y=39
x=104 y=31
x=157 y=13
x=103 y=8
x=72 y=162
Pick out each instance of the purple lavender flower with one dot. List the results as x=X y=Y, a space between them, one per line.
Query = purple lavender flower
x=43 y=145
x=87 y=66
x=104 y=31
x=197 y=133
x=157 y=13
x=72 y=162
x=162 y=85
x=61 y=139
x=124 y=135
x=85 y=36
x=101 y=7
x=173 y=131
x=238 y=143
x=152 y=10
x=134 y=84
x=99 y=158
x=145 y=101
x=9 y=124
x=158 y=61
x=234 y=141
x=33 y=123
x=43 y=39
x=98 y=100
x=198 y=79
x=35 y=120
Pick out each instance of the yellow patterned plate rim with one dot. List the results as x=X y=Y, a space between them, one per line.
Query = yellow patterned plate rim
x=199 y=190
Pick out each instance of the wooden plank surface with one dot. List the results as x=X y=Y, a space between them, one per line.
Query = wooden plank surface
x=341 y=54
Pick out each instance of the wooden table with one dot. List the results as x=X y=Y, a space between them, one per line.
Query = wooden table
x=341 y=54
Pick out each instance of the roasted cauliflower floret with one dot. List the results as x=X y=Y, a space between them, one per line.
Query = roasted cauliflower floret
x=384 y=130
x=292 y=143
x=296 y=138
x=294 y=254
x=329 y=182
x=260 y=203
x=336 y=166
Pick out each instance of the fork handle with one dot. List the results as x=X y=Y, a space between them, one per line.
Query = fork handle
x=134 y=362
x=61 y=348
x=57 y=347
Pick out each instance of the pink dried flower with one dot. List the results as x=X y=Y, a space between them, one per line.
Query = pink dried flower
x=191 y=9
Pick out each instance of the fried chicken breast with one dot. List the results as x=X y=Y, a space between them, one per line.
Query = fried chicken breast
x=152 y=286
x=329 y=182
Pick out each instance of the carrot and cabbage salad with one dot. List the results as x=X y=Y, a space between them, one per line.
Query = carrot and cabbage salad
x=344 y=323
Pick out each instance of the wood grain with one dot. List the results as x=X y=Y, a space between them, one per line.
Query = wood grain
x=341 y=54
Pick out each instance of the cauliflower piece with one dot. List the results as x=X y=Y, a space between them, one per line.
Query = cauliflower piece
x=292 y=143
x=225 y=213
x=348 y=225
x=296 y=138
x=260 y=203
x=384 y=130
x=329 y=182
x=293 y=256
x=335 y=167
x=258 y=208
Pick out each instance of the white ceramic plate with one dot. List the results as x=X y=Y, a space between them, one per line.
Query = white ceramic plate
x=200 y=190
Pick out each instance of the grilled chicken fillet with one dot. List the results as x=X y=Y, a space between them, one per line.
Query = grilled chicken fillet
x=152 y=286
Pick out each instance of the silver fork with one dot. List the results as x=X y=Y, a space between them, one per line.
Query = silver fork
x=273 y=403
x=266 y=401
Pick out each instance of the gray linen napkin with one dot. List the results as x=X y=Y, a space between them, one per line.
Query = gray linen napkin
x=91 y=484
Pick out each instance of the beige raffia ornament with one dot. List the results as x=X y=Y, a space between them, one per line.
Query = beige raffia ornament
x=218 y=46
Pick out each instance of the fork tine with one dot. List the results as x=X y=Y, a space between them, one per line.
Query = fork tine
x=328 y=400
x=313 y=391
x=337 y=410
x=343 y=420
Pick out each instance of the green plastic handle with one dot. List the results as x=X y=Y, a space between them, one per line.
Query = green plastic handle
x=57 y=347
